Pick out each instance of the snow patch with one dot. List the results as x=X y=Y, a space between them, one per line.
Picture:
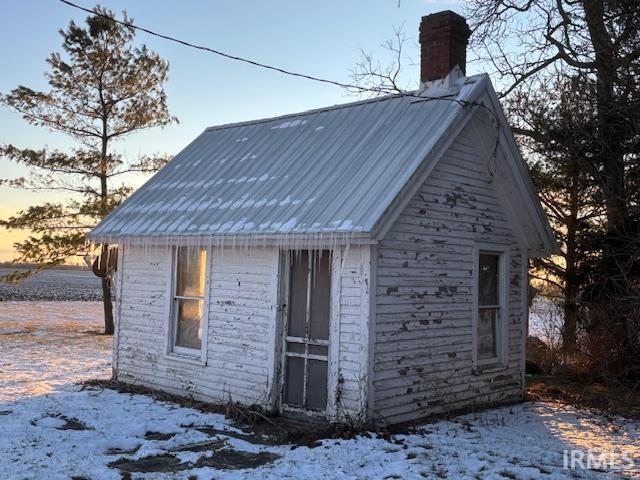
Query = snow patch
x=289 y=124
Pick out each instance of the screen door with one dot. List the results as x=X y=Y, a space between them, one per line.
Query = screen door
x=307 y=335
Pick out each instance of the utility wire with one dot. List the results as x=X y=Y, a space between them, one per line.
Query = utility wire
x=420 y=97
x=376 y=90
x=216 y=52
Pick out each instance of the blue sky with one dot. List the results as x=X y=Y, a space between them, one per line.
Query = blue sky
x=318 y=38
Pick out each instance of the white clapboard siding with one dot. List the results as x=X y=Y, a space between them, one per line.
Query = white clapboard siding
x=424 y=294
x=242 y=336
x=241 y=332
x=353 y=362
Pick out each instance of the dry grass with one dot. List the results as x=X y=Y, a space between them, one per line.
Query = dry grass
x=261 y=426
x=582 y=393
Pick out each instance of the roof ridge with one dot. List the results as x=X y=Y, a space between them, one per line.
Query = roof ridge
x=313 y=110
x=468 y=80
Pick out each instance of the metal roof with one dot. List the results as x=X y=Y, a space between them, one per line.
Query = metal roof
x=326 y=171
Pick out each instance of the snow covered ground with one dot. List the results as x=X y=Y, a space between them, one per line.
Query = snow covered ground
x=50 y=428
x=44 y=345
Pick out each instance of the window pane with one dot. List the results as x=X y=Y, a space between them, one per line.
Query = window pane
x=487 y=333
x=294 y=347
x=294 y=376
x=298 y=294
x=189 y=323
x=318 y=350
x=488 y=279
x=317 y=385
x=191 y=271
x=320 y=295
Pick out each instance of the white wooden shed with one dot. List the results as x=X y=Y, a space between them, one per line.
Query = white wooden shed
x=366 y=260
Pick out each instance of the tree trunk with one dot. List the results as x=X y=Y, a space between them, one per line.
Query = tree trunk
x=611 y=145
x=107 y=300
x=104 y=260
x=108 y=306
x=570 y=326
x=615 y=256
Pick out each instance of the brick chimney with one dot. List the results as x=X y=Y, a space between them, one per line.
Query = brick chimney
x=443 y=41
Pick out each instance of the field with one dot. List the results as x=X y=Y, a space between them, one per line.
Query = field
x=52 y=428
x=56 y=284
x=46 y=345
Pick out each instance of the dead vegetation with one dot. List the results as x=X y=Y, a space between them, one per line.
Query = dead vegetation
x=223 y=459
x=582 y=393
x=259 y=426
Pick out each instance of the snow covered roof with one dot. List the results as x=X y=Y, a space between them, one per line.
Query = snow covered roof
x=332 y=171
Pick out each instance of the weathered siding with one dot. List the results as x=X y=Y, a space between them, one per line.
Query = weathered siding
x=352 y=362
x=241 y=332
x=241 y=340
x=424 y=283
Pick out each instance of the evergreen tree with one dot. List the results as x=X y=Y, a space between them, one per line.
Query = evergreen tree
x=102 y=88
x=557 y=126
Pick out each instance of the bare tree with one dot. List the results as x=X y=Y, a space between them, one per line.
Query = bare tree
x=597 y=38
x=376 y=76
x=529 y=42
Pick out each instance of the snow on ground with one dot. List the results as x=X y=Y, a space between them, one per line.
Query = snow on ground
x=545 y=320
x=523 y=442
x=69 y=432
x=47 y=344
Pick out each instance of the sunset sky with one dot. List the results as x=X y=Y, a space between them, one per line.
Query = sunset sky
x=317 y=38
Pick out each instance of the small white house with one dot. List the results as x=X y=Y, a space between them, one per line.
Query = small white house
x=366 y=260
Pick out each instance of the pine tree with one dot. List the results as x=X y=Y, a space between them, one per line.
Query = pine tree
x=556 y=123
x=102 y=89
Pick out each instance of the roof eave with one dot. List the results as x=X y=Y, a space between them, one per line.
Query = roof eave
x=306 y=240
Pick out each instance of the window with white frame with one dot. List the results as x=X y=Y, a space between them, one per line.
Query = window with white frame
x=190 y=271
x=490 y=306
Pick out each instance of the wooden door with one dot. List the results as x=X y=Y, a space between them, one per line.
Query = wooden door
x=306 y=348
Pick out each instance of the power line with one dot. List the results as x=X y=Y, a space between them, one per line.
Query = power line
x=217 y=52
x=420 y=97
x=376 y=90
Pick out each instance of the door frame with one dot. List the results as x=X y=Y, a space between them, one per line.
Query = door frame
x=333 y=354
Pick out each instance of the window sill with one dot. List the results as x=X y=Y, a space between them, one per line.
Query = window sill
x=186 y=358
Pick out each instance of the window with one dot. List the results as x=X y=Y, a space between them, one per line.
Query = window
x=490 y=306
x=188 y=299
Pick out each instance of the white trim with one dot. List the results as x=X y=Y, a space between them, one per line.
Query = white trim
x=525 y=315
x=167 y=325
x=284 y=265
x=175 y=352
x=525 y=183
x=372 y=320
x=118 y=312
x=274 y=339
x=324 y=240
x=502 y=332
